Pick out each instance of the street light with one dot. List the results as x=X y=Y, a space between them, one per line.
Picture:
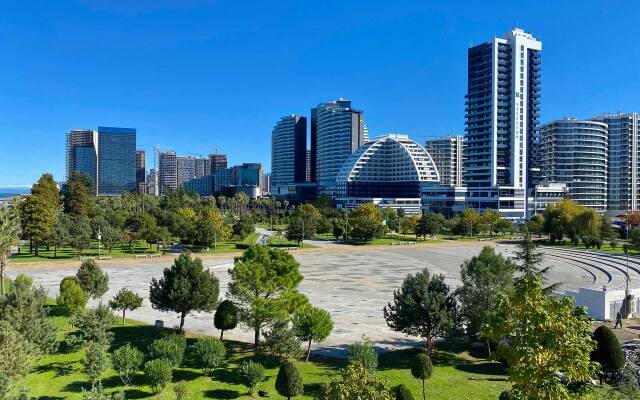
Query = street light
x=99 y=238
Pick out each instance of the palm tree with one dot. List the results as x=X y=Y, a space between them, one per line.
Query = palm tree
x=9 y=237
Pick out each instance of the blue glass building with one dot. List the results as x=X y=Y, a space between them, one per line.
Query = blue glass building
x=116 y=161
x=82 y=153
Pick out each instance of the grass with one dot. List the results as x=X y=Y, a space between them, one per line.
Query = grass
x=274 y=241
x=457 y=375
x=66 y=253
x=606 y=247
x=389 y=239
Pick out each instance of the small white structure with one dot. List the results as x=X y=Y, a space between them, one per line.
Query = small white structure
x=603 y=304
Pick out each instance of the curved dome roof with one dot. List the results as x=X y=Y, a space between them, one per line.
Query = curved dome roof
x=389 y=158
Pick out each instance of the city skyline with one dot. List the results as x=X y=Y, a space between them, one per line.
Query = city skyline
x=41 y=109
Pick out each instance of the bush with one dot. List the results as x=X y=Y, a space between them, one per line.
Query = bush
x=93 y=325
x=282 y=341
x=251 y=373
x=289 y=381
x=158 y=373
x=72 y=297
x=210 y=353
x=95 y=363
x=402 y=392
x=182 y=390
x=126 y=360
x=608 y=351
x=421 y=367
x=226 y=317
x=170 y=348
x=363 y=353
x=505 y=395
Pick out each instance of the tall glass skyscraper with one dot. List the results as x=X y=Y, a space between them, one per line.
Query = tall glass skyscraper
x=82 y=153
x=288 y=152
x=337 y=130
x=116 y=161
x=501 y=154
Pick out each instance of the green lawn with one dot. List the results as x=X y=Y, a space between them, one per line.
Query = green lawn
x=66 y=253
x=606 y=247
x=389 y=239
x=273 y=241
x=457 y=374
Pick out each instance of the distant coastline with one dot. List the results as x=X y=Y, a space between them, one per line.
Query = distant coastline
x=9 y=192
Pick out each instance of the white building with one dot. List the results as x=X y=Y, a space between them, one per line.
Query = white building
x=447 y=156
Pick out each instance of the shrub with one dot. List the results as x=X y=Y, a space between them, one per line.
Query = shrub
x=158 y=373
x=282 y=341
x=421 y=368
x=608 y=351
x=92 y=279
x=226 y=317
x=182 y=390
x=505 y=395
x=251 y=373
x=170 y=348
x=363 y=353
x=210 y=353
x=289 y=380
x=95 y=363
x=126 y=360
x=72 y=297
x=93 y=325
x=402 y=392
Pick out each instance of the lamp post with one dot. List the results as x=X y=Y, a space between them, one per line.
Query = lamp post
x=99 y=238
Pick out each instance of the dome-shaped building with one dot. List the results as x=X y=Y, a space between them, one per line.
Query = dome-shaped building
x=389 y=170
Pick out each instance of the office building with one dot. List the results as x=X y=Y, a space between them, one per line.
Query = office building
x=202 y=167
x=574 y=152
x=204 y=185
x=248 y=174
x=446 y=153
x=82 y=153
x=168 y=172
x=501 y=156
x=116 y=161
x=288 y=152
x=622 y=169
x=337 y=130
x=389 y=171
x=308 y=166
x=141 y=171
x=186 y=169
x=217 y=162
x=152 y=183
x=266 y=184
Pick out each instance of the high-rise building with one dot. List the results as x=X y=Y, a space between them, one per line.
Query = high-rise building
x=116 y=161
x=266 y=183
x=501 y=157
x=337 y=130
x=217 y=162
x=447 y=156
x=141 y=170
x=186 y=169
x=202 y=167
x=248 y=174
x=168 y=172
x=574 y=152
x=152 y=183
x=289 y=152
x=82 y=153
x=308 y=166
x=623 y=188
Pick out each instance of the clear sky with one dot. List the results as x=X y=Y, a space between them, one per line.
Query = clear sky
x=191 y=75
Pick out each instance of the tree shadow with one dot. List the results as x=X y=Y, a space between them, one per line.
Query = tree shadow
x=226 y=375
x=136 y=394
x=222 y=394
x=60 y=368
x=49 y=398
x=186 y=375
x=312 y=389
x=77 y=386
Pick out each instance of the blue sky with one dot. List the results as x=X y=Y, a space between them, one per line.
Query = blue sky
x=190 y=75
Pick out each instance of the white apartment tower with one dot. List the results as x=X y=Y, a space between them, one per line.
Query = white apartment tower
x=446 y=153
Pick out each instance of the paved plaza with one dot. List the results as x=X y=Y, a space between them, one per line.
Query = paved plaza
x=353 y=284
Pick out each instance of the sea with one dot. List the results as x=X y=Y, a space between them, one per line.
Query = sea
x=9 y=192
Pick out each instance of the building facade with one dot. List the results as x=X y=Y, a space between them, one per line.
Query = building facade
x=337 y=130
x=389 y=171
x=168 y=172
x=447 y=156
x=217 y=162
x=575 y=153
x=288 y=152
x=623 y=168
x=116 y=161
x=141 y=171
x=202 y=167
x=82 y=153
x=501 y=152
x=186 y=169
x=152 y=183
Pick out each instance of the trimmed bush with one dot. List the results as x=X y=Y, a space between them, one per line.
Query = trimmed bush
x=226 y=317
x=126 y=360
x=608 y=351
x=402 y=392
x=363 y=353
x=251 y=373
x=422 y=368
x=158 y=373
x=170 y=348
x=210 y=353
x=289 y=381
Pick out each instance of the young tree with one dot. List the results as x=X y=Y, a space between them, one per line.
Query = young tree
x=421 y=368
x=17 y=357
x=289 y=381
x=210 y=353
x=303 y=223
x=226 y=317
x=490 y=218
x=528 y=260
x=79 y=234
x=608 y=352
x=470 y=220
x=546 y=336
x=422 y=307
x=430 y=224
x=95 y=362
x=111 y=237
x=126 y=360
x=125 y=300
x=366 y=222
x=263 y=283
x=339 y=228
x=92 y=279
x=184 y=288
x=484 y=279
x=312 y=324
x=536 y=224
x=364 y=354
x=158 y=373
x=72 y=297
x=93 y=325
x=61 y=233
x=250 y=374
x=281 y=341
x=9 y=237
x=356 y=383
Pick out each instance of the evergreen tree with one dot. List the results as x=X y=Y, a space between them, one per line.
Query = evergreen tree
x=92 y=279
x=125 y=300
x=289 y=380
x=226 y=317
